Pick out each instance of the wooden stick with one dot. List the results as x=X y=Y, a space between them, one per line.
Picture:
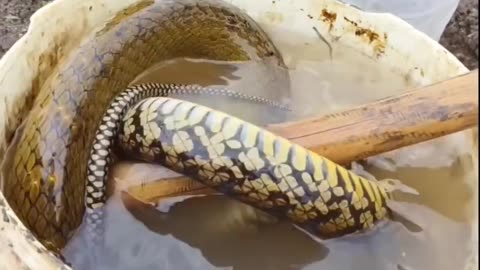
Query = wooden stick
x=415 y=116
x=412 y=117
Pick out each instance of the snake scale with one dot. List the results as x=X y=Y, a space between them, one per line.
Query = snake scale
x=238 y=159
x=46 y=184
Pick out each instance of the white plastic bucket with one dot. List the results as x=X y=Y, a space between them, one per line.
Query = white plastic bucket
x=428 y=16
x=58 y=28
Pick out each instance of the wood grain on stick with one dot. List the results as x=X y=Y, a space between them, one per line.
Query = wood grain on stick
x=412 y=117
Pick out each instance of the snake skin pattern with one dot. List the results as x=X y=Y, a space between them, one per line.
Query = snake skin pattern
x=106 y=137
x=250 y=164
x=46 y=184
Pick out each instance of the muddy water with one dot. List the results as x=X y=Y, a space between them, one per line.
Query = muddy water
x=254 y=79
x=432 y=230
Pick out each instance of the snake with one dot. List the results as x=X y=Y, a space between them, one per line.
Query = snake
x=52 y=181
x=236 y=158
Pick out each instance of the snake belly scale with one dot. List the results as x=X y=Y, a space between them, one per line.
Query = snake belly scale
x=46 y=184
x=252 y=165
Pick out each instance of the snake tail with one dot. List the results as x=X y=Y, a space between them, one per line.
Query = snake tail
x=252 y=165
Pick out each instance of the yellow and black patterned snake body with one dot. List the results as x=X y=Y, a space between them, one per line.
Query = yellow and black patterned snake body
x=250 y=164
x=253 y=165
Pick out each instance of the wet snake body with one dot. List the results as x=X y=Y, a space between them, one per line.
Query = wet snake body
x=252 y=165
x=234 y=157
x=71 y=129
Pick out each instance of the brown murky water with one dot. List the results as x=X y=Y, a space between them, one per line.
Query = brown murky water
x=214 y=232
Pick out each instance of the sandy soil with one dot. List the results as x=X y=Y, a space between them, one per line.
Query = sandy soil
x=460 y=37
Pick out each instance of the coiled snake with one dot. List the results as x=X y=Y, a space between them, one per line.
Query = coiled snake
x=46 y=185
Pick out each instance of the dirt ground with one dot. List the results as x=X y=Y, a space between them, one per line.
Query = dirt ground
x=460 y=37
